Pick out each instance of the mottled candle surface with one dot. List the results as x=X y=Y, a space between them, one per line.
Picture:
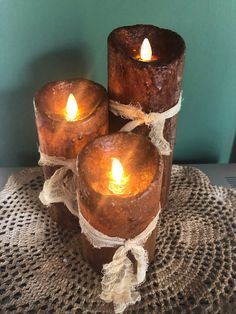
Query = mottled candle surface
x=119 y=184
x=69 y=114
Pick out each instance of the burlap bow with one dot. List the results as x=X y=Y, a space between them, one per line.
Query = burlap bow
x=61 y=186
x=155 y=120
x=119 y=280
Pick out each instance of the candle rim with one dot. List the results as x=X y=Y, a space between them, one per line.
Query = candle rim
x=121 y=197
x=59 y=118
x=158 y=62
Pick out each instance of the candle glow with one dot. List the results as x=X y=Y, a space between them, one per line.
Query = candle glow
x=71 y=109
x=146 y=51
x=118 y=180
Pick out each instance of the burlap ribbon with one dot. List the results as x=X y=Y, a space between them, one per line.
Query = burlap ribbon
x=119 y=280
x=61 y=186
x=155 y=120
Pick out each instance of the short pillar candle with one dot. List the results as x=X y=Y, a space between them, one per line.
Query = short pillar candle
x=119 y=180
x=69 y=114
x=145 y=69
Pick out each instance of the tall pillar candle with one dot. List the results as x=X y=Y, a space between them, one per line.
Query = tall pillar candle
x=119 y=179
x=151 y=81
x=69 y=114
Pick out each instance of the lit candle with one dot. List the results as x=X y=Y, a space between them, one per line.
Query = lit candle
x=119 y=180
x=72 y=110
x=69 y=114
x=145 y=69
x=146 y=54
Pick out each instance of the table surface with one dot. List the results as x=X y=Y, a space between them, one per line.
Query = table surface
x=219 y=174
x=38 y=264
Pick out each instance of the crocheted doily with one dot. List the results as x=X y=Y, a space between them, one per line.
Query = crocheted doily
x=42 y=270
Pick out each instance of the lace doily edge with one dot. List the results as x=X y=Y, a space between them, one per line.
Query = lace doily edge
x=19 y=178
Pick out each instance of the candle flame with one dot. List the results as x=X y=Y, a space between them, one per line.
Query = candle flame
x=117 y=170
x=146 y=50
x=71 y=108
x=118 y=179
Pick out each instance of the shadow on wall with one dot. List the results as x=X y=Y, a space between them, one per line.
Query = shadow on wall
x=205 y=153
x=233 y=151
x=17 y=124
x=202 y=160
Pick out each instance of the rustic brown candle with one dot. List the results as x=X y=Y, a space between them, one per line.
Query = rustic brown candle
x=69 y=114
x=119 y=190
x=148 y=79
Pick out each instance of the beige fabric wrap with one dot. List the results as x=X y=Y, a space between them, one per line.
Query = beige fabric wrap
x=155 y=120
x=119 y=281
x=61 y=186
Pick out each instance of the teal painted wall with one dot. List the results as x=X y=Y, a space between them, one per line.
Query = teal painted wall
x=56 y=39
